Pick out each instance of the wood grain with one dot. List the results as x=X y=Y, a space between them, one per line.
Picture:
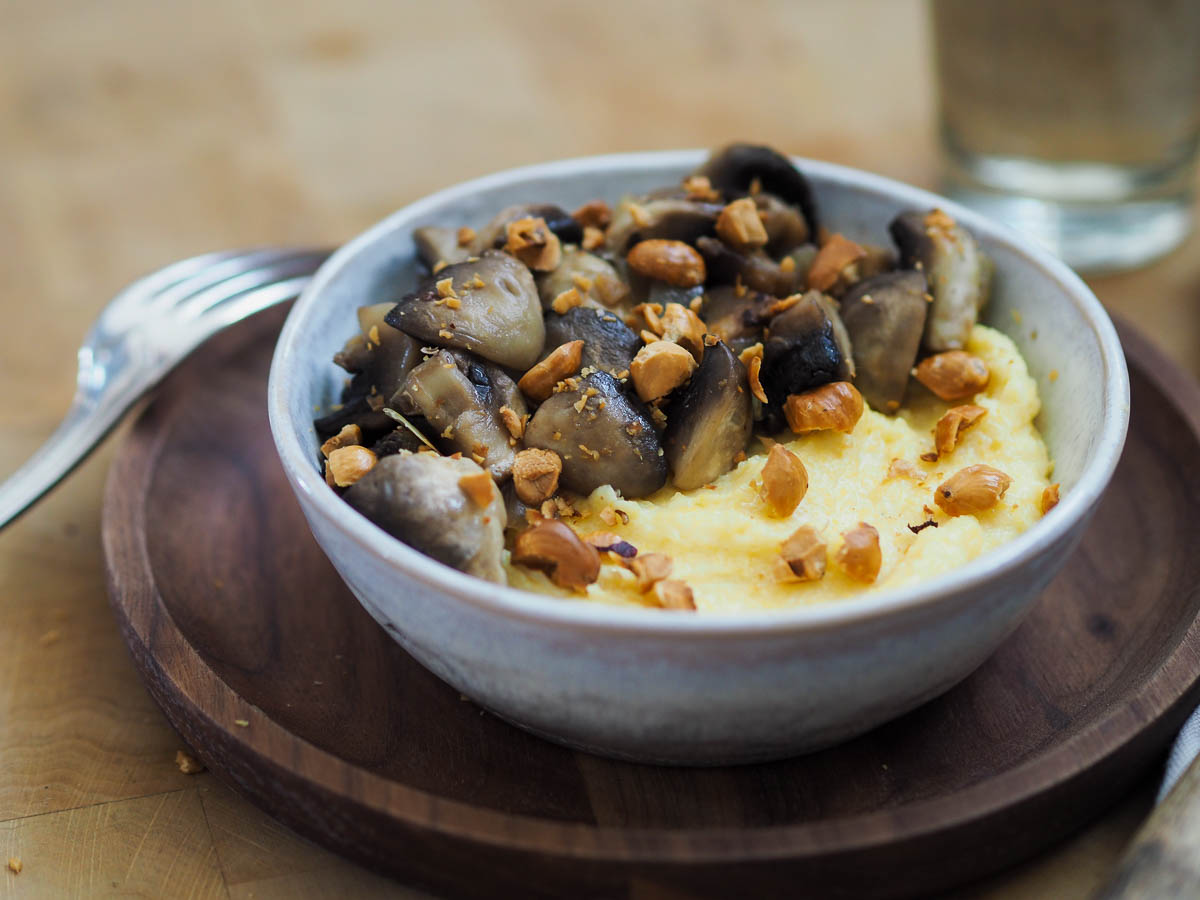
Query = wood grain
x=232 y=613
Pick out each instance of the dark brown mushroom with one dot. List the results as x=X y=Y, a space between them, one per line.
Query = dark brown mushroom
x=461 y=398
x=710 y=421
x=388 y=353
x=736 y=317
x=436 y=245
x=885 y=318
x=609 y=345
x=784 y=224
x=489 y=307
x=753 y=269
x=602 y=435
x=958 y=272
x=733 y=170
x=495 y=233
x=417 y=498
x=593 y=278
x=665 y=218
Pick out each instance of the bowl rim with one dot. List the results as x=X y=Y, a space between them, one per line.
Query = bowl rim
x=597 y=617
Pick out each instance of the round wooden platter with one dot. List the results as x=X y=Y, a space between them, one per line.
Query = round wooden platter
x=268 y=667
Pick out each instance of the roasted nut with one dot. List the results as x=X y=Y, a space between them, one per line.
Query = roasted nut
x=593 y=238
x=612 y=543
x=953 y=375
x=649 y=568
x=698 y=187
x=535 y=475
x=784 y=481
x=739 y=226
x=831 y=261
x=971 y=490
x=659 y=368
x=902 y=468
x=672 y=594
x=465 y=235
x=647 y=317
x=802 y=556
x=567 y=300
x=349 y=436
x=860 y=556
x=513 y=421
x=594 y=213
x=553 y=547
x=348 y=464
x=479 y=487
x=953 y=423
x=533 y=243
x=752 y=358
x=1049 y=498
x=538 y=383
x=837 y=406
x=674 y=262
x=685 y=328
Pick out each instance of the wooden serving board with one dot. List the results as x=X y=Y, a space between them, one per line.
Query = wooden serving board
x=268 y=667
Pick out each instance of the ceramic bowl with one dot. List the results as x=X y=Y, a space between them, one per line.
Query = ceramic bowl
x=661 y=686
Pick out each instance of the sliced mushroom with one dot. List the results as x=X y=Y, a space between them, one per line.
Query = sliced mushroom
x=603 y=437
x=400 y=439
x=667 y=218
x=494 y=234
x=417 y=498
x=736 y=317
x=808 y=347
x=784 y=224
x=958 y=272
x=461 y=398
x=359 y=407
x=609 y=345
x=389 y=353
x=489 y=307
x=593 y=278
x=733 y=170
x=885 y=317
x=436 y=244
x=710 y=421
x=755 y=269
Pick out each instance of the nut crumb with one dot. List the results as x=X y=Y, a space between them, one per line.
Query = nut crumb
x=594 y=213
x=650 y=568
x=465 y=235
x=187 y=763
x=801 y=556
x=673 y=594
x=349 y=436
x=951 y=426
x=567 y=300
x=535 y=475
x=902 y=468
x=610 y=515
x=612 y=543
x=739 y=225
x=752 y=358
x=479 y=487
x=1049 y=498
x=593 y=237
x=513 y=422
x=651 y=314
x=532 y=242
x=859 y=555
x=698 y=187
x=445 y=288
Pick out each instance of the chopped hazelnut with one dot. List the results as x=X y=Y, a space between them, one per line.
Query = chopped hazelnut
x=553 y=547
x=649 y=568
x=953 y=375
x=802 y=555
x=952 y=424
x=859 y=555
x=752 y=358
x=784 y=481
x=610 y=515
x=782 y=305
x=659 y=368
x=349 y=436
x=837 y=406
x=698 y=187
x=445 y=288
x=1049 y=498
x=739 y=226
x=564 y=360
x=902 y=468
x=465 y=235
x=594 y=213
x=593 y=238
x=533 y=243
x=348 y=464
x=831 y=261
x=971 y=490
x=651 y=315
x=612 y=543
x=479 y=487
x=685 y=328
x=567 y=300
x=674 y=262
x=535 y=475
x=513 y=422
x=673 y=594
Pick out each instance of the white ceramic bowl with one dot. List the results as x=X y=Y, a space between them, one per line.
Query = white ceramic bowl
x=660 y=686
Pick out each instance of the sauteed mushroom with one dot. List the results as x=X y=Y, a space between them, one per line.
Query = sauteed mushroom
x=668 y=218
x=436 y=244
x=733 y=170
x=808 y=346
x=558 y=220
x=885 y=317
x=736 y=318
x=592 y=278
x=608 y=343
x=755 y=269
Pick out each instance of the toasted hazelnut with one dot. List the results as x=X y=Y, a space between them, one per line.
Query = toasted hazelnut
x=553 y=547
x=533 y=243
x=831 y=261
x=514 y=423
x=612 y=543
x=1049 y=498
x=953 y=375
x=566 y=301
x=902 y=468
x=752 y=358
x=649 y=569
x=859 y=555
x=610 y=515
x=971 y=490
x=782 y=305
x=538 y=383
x=685 y=328
x=952 y=424
x=659 y=368
x=739 y=226
x=349 y=436
x=593 y=237
x=784 y=481
x=699 y=187
x=837 y=406
x=594 y=213
x=673 y=594
x=802 y=555
x=535 y=475
x=647 y=317
x=674 y=262
x=465 y=235
x=479 y=487
x=348 y=464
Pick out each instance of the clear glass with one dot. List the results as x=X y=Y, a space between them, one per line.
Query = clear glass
x=1075 y=121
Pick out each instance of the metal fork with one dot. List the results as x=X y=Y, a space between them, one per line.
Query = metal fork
x=143 y=333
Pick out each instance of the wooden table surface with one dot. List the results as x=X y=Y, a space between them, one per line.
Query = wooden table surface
x=133 y=133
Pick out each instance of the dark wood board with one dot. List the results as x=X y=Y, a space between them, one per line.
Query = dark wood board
x=232 y=613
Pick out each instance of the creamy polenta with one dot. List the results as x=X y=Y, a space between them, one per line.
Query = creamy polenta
x=724 y=542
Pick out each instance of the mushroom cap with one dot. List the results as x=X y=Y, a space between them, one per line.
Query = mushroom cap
x=733 y=169
x=608 y=343
x=885 y=318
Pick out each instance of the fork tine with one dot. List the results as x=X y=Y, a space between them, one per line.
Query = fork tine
x=302 y=263
x=149 y=286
